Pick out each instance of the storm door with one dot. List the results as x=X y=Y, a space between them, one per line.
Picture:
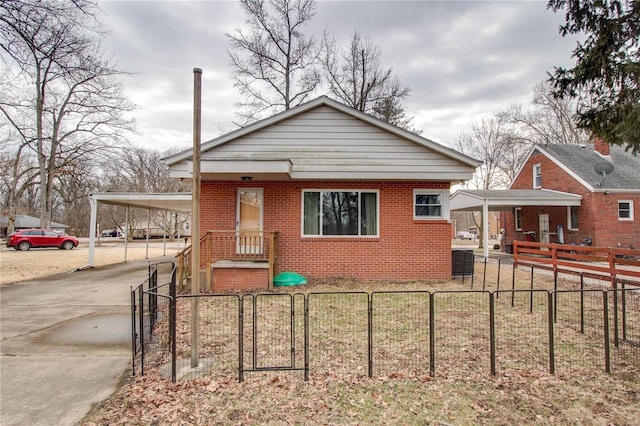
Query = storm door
x=543 y=222
x=249 y=236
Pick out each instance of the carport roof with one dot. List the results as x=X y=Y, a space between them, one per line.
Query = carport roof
x=504 y=199
x=178 y=201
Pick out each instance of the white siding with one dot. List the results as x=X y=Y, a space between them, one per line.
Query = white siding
x=325 y=141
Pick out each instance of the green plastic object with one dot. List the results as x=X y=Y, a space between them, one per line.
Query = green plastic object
x=287 y=279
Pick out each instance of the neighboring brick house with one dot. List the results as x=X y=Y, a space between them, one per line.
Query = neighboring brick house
x=609 y=212
x=348 y=195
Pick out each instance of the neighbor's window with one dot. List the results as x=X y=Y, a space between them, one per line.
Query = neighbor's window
x=537 y=176
x=625 y=210
x=572 y=217
x=429 y=204
x=517 y=214
x=340 y=213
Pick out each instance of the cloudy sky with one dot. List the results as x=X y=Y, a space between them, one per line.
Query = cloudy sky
x=463 y=60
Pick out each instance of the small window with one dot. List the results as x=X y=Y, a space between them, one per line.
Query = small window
x=625 y=210
x=517 y=214
x=572 y=218
x=537 y=176
x=430 y=204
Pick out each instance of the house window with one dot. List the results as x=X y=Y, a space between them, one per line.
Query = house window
x=517 y=214
x=625 y=210
x=572 y=218
x=340 y=213
x=537 y=176
x=429 y=204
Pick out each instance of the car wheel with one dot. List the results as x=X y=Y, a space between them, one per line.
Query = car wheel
x=23 y=246
x=67 y=245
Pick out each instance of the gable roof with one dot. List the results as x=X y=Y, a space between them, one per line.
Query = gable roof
x=579 y=161
x=326 y=136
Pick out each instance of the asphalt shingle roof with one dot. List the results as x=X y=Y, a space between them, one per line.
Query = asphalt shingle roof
x=581 y=159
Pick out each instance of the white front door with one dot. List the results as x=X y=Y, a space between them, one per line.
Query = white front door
x=543 y=227
x=249 y=205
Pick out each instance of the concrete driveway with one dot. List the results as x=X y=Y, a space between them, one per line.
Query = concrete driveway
x=65 y=343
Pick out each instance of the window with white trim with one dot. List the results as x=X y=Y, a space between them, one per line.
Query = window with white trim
x=625 y=210
x=517 y=215
x=537 y=176
x=340 y=213
x=572 y=218
x=430 y=204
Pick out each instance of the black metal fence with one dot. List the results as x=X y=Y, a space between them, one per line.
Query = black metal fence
x=150 y=303
x=511 y=318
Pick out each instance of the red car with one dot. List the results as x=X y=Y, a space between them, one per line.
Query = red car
x=24 y=239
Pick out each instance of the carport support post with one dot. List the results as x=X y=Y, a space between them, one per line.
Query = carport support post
x=195 y=215
x=127 y=236
x=92 y=229
x=485 y=228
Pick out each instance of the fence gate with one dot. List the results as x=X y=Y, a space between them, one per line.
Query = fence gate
x=274 y=333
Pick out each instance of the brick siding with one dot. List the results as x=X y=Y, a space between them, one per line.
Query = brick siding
x=405 y=250
x=597 y=215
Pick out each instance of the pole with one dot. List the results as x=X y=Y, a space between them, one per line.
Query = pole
x=195 y=217
x=485 y=228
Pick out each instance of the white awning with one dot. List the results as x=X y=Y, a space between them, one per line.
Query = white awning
x=496 y=200
x=176 y=202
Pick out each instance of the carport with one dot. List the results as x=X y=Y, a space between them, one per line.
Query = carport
x=174 y=202
x=506 y=199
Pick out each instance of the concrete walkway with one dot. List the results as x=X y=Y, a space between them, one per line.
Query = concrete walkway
x=65 y=343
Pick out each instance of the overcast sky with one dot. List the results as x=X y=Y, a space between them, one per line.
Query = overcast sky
x=463 y=61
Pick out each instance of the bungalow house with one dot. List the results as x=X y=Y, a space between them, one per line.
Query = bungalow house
x=606 y=178
x=344 y=194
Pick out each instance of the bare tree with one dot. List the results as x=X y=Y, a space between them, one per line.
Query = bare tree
x=492 y=141
x=139 y=170
x=274 y=64
x=548 y=120
x=357 y=78
x=76 y=103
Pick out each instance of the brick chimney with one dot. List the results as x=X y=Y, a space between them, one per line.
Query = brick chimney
x=601 y=146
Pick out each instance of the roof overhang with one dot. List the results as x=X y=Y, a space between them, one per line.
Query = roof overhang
x=179 y=202
x=497 y=200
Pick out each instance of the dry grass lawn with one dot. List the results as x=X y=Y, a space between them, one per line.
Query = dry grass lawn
x=16 y=266
x=462 y=392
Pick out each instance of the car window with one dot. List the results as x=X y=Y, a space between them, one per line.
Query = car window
x=50 y=234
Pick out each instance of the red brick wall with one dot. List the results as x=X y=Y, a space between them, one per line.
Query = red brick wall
x=597 y=216
x=238 y=279
x=405 y=250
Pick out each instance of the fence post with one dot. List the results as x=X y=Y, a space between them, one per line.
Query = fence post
x=484 y=274
x=552 y=359
x=498 y=281
x=492 y=333
x=473 y=260
x=141 y=319
x=173 y=324
x=133 y=332
x=607 y=355
x=616 y=334
x=306 y=337
x=370 y=334
x=240 y=339
x=581 y=302
x=513 y=284
x=624 y=312
x=531 y=293
x=432 y=337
